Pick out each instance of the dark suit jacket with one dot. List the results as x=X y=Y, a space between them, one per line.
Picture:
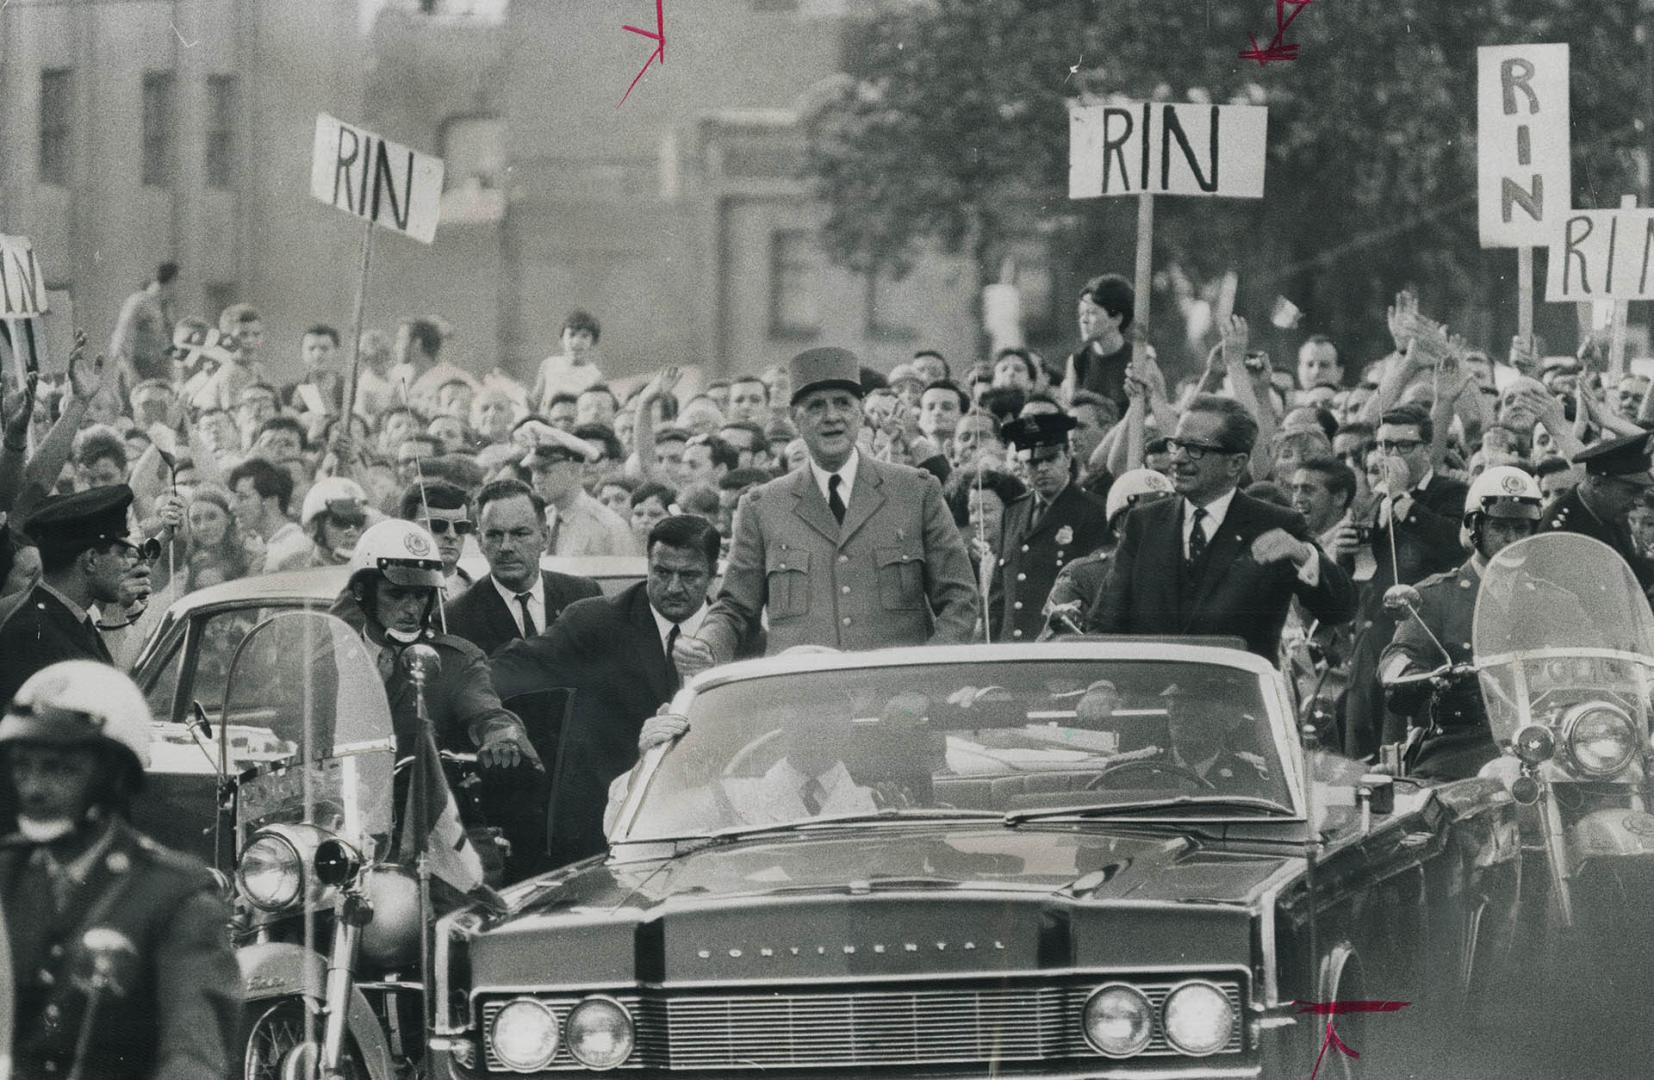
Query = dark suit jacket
x=39 y=633
x=481 y=617
x=608 y=650
x=1234 y=595
x=1030 y=559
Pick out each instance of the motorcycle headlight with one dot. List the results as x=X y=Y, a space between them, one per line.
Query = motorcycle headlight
x=270 y=873
x=600 y=1033
x=1600 y=738
x=524 y=1035
x=1198 y=1019
x=1119 y=1020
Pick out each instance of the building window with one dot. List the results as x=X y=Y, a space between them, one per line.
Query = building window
x=795 y=287
x=55 y=89
x=158 y=123
x=884 y=303
x=223 y=107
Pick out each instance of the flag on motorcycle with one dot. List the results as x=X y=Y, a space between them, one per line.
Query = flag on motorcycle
x=448 y=849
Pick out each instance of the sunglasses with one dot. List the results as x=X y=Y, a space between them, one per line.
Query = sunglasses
x=440 y=526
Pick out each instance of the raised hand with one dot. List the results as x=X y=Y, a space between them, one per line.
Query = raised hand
x=86 y=381
x=1236 y=336
x=18 y=410
x=663 y=383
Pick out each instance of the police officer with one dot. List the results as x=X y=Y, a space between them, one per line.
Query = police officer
x=120 y=946
x=1080 y=583
x=1044 y=530
x=86 y=562
x=1502 y=506
x=1616 y=476
x=391 y=597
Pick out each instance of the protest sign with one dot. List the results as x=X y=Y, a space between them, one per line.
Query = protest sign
x=1602 y=255
x=354 y=170
x=1523 y=177
x=1165 y=148
x=22 y=282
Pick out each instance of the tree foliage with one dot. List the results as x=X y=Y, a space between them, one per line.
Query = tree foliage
x=951 y=130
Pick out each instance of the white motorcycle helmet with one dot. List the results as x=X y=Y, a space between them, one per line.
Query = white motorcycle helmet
x=331 y=492
x=82 y=703
x=1131 y=488
x=1503 y=491
x=399 y=552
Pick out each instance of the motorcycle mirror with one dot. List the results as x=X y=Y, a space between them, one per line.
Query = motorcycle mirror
x=420 y=662
x=1400 y=600
x=201 y=720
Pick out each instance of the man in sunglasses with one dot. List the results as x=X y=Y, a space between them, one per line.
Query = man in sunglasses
x=1213 y=560
x=445 y=512
x=85 y=559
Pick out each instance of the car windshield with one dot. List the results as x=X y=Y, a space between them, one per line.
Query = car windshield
x=982 y=738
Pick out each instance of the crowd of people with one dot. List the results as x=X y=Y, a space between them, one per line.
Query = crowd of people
x=815 y=503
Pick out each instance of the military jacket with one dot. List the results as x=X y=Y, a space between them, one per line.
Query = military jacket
x=1032 y=555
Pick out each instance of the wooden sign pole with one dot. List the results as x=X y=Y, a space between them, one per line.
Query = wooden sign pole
x=1144 y=280
x=349 y=404
x=1524 y=293
x=1616 y=338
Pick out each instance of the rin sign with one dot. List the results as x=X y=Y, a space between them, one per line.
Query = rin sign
x=22 y=284
x=356 y=171
x=1166 y=148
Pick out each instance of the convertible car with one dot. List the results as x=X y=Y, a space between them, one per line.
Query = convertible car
x=1087 y=858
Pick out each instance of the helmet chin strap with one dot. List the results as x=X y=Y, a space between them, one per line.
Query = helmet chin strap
x=403 y=637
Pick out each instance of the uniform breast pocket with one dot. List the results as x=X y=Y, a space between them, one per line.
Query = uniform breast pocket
x=901 y=578
x=788 y=574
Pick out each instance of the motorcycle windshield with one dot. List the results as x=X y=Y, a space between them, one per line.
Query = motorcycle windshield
x=1560 y=616
x=308 y=680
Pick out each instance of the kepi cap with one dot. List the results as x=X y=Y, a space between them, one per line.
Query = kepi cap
x=826 y=367
x=83 y=520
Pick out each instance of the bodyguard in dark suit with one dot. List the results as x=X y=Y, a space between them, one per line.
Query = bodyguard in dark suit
x=616 y=654
x=1044 y=530
x=517 y=599
x=1213 y=560
x=85 y=558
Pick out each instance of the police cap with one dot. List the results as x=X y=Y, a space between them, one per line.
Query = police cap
x=1039 y=432
x=81 y=521
x=1626 y=457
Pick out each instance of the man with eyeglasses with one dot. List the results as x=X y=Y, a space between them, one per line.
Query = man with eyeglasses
x=444 y=511
x=1415 y=533
x=1215 y=560
x=517 y=599
x=85 y=560
x=1617 y=477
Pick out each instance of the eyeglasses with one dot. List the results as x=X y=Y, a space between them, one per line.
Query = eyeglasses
x=1198 y=450
x=440 y=526
x=1400 y=446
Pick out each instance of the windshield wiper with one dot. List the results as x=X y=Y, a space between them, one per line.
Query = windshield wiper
x=1128 y=809
x=745 y=832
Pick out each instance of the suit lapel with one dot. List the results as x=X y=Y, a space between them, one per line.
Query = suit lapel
x=865 y=500
x=649 y=649
x=812 y=507
x=1220 y=554
x=499 y=615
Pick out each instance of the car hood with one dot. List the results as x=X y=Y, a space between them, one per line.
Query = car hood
x=887 y=901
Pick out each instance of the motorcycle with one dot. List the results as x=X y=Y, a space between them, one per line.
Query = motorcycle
x=1563 y=643
x=329 y=920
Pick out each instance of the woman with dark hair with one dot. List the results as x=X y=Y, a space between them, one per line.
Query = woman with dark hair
x=215 y=550
x=978 y=499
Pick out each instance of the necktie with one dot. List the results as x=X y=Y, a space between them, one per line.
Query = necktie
x=812 y=795
x=529 y=629
x=671 y=664
x=1197 y=536
x=835 y=502
x=1035 y=513
x=97 y=636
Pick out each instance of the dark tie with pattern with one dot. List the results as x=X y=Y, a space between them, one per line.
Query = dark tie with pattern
x=671 y=664
x=529 y=629
x=1197 y=537
x=835 y=502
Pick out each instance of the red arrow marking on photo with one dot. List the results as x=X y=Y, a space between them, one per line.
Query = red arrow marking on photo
x=658 y=36
x=1276 y=50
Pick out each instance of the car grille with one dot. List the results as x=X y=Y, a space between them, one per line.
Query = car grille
x=795 y=1028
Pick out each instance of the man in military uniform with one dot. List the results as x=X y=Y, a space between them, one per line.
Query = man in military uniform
x=85 y=562
x=391 y=598
x=120 y=946
x=1501 y=507
x=1080 y=583
x=1044 y=530
x=1616 y=476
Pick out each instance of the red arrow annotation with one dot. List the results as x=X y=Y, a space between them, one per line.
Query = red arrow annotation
x=1330 y=1009
x=658 y=36
x=1276 y=49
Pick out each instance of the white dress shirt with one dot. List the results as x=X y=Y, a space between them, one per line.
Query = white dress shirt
x=778 y=795
x=846 y=474
x=536 y=602
x=1216 y=511
x=688 y=628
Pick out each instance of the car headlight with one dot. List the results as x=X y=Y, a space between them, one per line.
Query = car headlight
x=524 y=1035
x=270 y=872
x=1198 y=1019
x=1119 y=1020
x=600 y=1033
x=1600 y=738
